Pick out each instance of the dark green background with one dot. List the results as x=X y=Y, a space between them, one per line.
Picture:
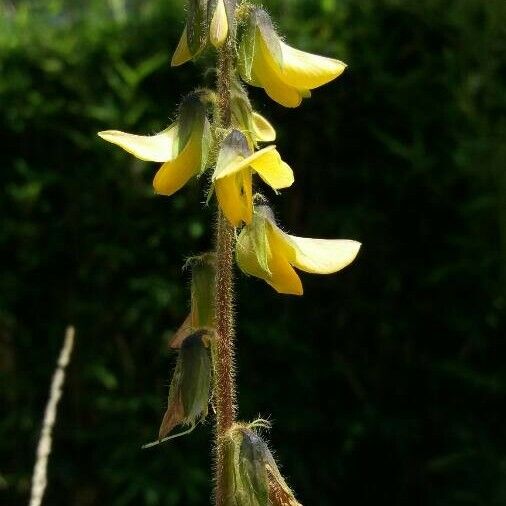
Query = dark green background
x=385 y=383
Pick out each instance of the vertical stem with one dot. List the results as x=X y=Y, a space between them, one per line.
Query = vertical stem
x=225 y=381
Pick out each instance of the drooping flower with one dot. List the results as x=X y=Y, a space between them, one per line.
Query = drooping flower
x=253 y=125
x=265 y=251
x=252 y=471
x=183 y=146
x=286 y=74
x=233 y=175
x=211 y=20
x=191 y=384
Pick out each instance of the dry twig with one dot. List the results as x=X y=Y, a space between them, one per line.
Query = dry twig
x=39 y=478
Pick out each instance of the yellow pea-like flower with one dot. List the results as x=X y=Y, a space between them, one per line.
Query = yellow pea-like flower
x=286 y=74
x=233 y=175
x=265 y=251
x=182 y=147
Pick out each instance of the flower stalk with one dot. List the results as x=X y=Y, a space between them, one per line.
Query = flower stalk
x=227 y=141
x=225 y=377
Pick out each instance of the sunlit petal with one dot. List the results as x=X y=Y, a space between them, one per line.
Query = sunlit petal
x=182 y=53
x=234 y=194
x=266 y=162
x=262 y=129
x=258 y=241
x=319 y=256
x=265 y=71
x=152 y=148
x=174 y=174
x=283 y=278
x=307 y=71
x=269 y=166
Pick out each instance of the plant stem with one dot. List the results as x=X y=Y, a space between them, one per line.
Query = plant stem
x=225 y=381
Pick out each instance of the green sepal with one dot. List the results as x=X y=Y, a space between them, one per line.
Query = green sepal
x=192 y=117
x=246 y=471
x=196 y=25
x=253 y=477
x=246 y=50
x=252 y=471
x=196 y=369
x=262 y=218
x=203 y=270
x=190 y=386
x=242 y=112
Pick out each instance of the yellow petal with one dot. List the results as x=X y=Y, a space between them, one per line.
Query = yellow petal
x=234 y=194
x=218 y=30
x=182 y=53
x=265 y=71
x=154 y=148
x=283 y=278
x=263 y=130
x=319 y=256
x=306 y=71
x=279 y=274
x=266 y=162
x=269 y=166
x=175 y=173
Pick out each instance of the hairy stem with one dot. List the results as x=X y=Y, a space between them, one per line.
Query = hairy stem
x=225 y=381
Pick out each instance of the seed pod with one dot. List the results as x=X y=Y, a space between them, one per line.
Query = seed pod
x=252 y=472
x=190 y=386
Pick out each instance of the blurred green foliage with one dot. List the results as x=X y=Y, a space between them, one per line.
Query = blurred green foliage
x=386 y=382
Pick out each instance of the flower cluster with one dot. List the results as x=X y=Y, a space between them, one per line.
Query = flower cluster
x=185 y=147
x=239 y=155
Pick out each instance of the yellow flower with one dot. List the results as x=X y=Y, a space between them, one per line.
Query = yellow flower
x=286 y=74
x=232 y=177
x=253 y=125
x=265 y=251
x=183 y=146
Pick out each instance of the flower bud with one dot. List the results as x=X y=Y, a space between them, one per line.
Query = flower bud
x=218 y=21
x=191 y=383
x=252 y=124
x=253 y=471
x=206 y=19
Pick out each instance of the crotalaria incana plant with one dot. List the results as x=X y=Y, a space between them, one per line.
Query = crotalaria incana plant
x=219 y=131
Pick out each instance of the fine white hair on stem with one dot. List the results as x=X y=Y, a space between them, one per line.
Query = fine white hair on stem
x=39 y=478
